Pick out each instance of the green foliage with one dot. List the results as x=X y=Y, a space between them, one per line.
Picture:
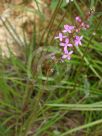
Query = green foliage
x=35 y=101
x=55 y=2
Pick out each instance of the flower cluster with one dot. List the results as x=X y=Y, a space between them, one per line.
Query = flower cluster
x=69 y=37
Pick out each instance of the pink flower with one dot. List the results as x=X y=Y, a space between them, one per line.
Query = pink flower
x=68 y=28
x=78 y=19
x=70 y=37
x=60 y=37
x=84 y=26
x=87 y=25
x=66 y=44
x=67 y=55
x=78 y=40
x=77 y=30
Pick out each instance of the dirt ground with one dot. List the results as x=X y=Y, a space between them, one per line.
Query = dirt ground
x=16 y=20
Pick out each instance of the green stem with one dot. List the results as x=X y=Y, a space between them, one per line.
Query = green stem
x=82 y=127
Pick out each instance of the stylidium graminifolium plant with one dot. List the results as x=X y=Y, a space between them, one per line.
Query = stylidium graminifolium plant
x=70 y=37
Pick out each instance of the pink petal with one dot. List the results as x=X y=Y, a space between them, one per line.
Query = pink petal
x=66 y=26
x=80 y=43
x=68 y=57
x=62 y=44
x=81 y=37
x=87 y=25
x=71 y=27
x=65 y=50
x=78 y=19
x=64 y=36
x=70 y=52
x=70 y=45
x=61 y=39
x=77 y=37
x=64 y=56
x=67 y=40
x=60 y=34
x=64 y=31
x=76 y=43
